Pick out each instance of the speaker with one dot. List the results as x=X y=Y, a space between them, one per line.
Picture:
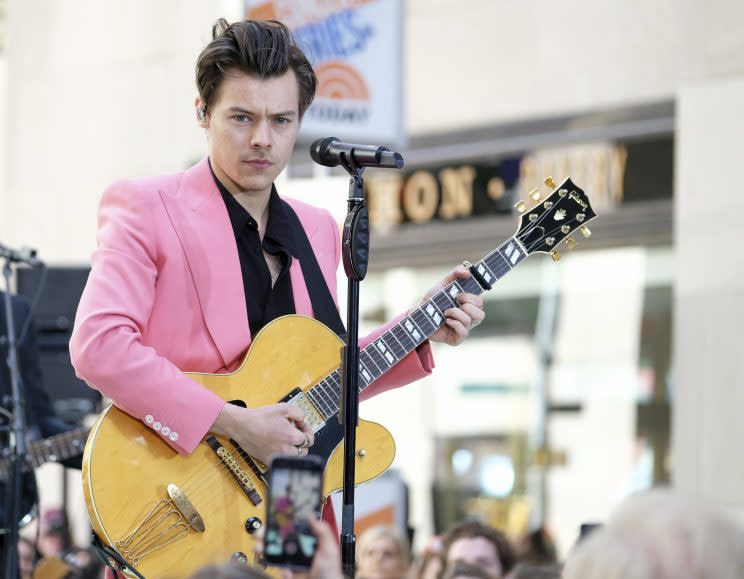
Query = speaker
x=71 y=398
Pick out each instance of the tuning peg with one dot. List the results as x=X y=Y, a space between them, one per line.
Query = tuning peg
x=535 y=194
x=520 y=206
x=550 y=183
x=555 y=254
x=585 y=231
x=571 y=243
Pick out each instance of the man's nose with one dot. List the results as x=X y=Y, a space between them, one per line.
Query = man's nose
x=261 y=136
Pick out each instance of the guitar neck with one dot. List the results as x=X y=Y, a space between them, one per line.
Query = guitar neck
x=53 y=449
x=413 y=330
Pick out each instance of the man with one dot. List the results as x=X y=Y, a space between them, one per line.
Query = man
x=190 y=266
x=474 y=543
x=41 y=422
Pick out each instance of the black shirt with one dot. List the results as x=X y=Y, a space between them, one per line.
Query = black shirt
x=263 y=302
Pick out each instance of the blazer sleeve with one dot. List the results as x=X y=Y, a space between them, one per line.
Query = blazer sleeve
x=106 y=346
x=412 y=367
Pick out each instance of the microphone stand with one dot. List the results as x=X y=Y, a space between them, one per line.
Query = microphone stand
x=16 y=438
x=355 y=244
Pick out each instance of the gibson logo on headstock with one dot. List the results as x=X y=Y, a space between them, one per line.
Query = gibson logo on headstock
x=575 y=196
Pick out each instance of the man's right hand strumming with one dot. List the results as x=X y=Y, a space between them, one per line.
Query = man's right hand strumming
x=266 y=431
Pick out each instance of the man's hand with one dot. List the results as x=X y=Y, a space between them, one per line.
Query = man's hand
x=458 y=321
x=266 y=431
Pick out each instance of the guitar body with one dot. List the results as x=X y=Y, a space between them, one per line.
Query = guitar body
x=127 y=467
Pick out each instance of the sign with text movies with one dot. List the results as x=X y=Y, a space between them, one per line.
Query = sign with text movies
x=355 y=49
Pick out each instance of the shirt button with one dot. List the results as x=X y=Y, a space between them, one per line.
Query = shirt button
x=173 y=436
x=165 y=431
x=149 y=419
x=157 y=426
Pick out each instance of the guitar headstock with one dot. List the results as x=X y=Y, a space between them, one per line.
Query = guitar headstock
x=554 y=218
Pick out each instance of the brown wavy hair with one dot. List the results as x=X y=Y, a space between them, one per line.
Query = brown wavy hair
x=261 y=48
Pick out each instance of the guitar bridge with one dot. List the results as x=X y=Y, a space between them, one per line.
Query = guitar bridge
x=243 y=480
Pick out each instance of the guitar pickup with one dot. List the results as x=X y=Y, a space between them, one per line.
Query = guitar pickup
x=240 y=476
x=313 y=417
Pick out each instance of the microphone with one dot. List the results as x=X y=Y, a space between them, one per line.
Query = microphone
x=331 y=152
x=25 y=255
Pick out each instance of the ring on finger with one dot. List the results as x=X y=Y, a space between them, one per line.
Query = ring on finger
x=299 y=450
x=306 y=443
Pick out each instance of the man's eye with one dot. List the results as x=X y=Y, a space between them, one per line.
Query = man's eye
x=281 y=121
x=241 y=118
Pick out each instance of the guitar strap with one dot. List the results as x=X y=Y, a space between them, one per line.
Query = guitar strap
x=324 y=307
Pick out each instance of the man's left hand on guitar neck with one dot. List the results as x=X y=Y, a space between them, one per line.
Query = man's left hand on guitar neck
x=458 y=321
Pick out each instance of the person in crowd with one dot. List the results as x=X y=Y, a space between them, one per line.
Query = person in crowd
x=27 y=557
x=536 y=547
x=326 y=561
x=429 y=565
x=478 y=544
x=661 y=534
x=536 y=571
x=382 y=552
x=462 y=570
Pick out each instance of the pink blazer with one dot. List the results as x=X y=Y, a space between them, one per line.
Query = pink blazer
x=165 y=295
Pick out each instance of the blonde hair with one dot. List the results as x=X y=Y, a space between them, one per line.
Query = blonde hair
x=385 y=532
x=660 y=534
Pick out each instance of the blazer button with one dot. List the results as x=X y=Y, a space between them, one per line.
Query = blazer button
x=165 y=431
x=157 y=426
x=173 y=436
x=149 y=419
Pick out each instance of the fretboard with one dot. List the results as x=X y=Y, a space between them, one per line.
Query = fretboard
x=413 y=330
x=53 y=449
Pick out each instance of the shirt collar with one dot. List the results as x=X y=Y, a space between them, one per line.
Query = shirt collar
x=278 y=227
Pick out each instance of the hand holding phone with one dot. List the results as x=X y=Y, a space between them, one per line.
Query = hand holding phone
x=295 y=486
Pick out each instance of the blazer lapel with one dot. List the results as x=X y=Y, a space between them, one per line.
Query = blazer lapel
x=200 y=218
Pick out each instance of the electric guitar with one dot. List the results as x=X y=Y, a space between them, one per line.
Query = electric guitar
x=52 y=449
x=166 y=515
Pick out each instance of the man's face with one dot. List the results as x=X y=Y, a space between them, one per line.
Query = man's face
x=476 y=551
x=252 y=128
x=380 y=559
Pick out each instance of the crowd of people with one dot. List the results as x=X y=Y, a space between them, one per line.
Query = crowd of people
x=656 y=534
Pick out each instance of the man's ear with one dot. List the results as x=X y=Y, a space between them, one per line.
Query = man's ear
x=201 y=113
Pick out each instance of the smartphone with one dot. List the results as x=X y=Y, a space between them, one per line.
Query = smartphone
x=295 y=486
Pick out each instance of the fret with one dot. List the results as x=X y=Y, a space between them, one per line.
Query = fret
x=372 y=367
x=364 y=371
x=443 y=302
x=318 y=399
x=324 y=392
x=403 y=337
x=377 y=358
x=332 y=384
x=471 y=286
x=387 y=352
x=426 y=326
x=331 y=389
x=414 y=331
x=434 y=312
x=514 y=252
x=451 y=291
x=400 y=349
